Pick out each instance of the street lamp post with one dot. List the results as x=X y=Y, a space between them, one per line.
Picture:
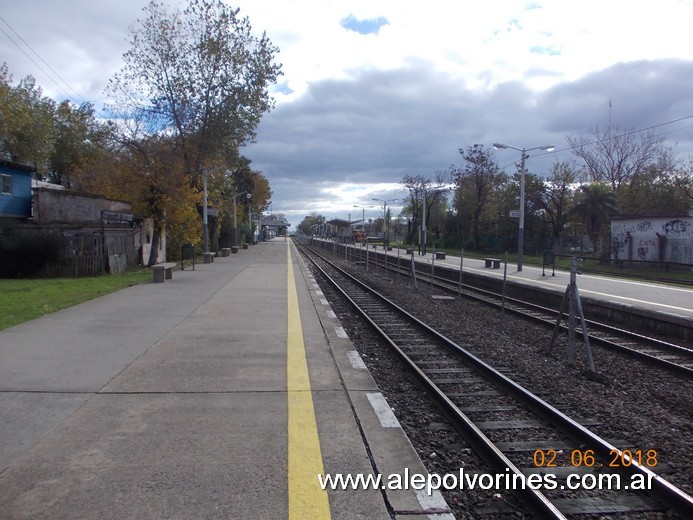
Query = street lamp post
x=251 y=237
x=386 y=229
x=521 y=233
x=205 y=228
x=423 y=239
x=235 y=226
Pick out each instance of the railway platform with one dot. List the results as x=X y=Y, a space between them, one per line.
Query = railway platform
x=222 y=393
x=669 y=301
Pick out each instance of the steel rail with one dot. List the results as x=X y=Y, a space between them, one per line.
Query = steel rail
x=525 y=310
x=533 y=498
x=662 y=489
x=520 y=308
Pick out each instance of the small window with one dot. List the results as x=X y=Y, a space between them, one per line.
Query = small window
x=7 y=184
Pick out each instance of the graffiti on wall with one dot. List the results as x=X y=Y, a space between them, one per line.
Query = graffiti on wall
x=644 y=226
x=677 y=227
x=654 y=240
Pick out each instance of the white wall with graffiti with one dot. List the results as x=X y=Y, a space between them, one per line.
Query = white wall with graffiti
x=656 y=239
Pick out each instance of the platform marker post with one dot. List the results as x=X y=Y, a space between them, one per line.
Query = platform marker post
x=433 y=266
x=366 y=255
x=413 y=270
x=505 y=280
x=459 y=288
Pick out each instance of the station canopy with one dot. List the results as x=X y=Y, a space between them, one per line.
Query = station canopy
x=275 y=222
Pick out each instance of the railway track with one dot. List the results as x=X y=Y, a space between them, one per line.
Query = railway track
x=672 y=357
x=519 y=436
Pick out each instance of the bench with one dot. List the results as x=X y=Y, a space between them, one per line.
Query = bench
x=163 y=272
x=225 y=251
x=440 y=255
x=494 y=263
x=208 y=257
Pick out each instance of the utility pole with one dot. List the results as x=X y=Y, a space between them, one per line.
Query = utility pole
x=205 y=228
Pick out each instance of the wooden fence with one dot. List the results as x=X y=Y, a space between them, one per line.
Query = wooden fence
x=90 y=253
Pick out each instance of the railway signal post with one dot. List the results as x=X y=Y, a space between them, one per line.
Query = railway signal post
x=572 y=298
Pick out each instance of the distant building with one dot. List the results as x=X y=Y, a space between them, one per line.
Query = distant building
x=15 y=189
x=664 y=239
x=270 y=226
x=340 y=229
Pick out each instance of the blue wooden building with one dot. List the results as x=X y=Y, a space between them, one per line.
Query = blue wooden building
x=15 y=189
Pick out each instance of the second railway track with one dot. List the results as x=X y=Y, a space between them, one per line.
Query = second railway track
x=667 y=355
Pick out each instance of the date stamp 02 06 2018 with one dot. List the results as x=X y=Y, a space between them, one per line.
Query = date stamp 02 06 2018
x=586 y=458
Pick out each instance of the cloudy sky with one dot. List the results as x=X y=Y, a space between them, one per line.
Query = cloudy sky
x=374 y=90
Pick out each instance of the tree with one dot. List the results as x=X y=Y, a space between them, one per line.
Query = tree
x=26 y=122
x=594 y=205
x=616 y=156
x=79 y=142
x=424 y=195
x=683 y=180
x=307 y=224
x=475 y=186
x=416 y=186
x=658 y=190
x=61 y=141
x=160 y=183
x=557 y=198
x=233 y=182
x=197 y=82
x=503 y=230
x=199 y=75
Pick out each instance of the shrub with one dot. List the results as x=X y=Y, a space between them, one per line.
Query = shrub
x=25 y=251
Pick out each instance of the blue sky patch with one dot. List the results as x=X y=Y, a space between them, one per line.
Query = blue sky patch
x=539 y=49
x=369 y=26
x=283 y=88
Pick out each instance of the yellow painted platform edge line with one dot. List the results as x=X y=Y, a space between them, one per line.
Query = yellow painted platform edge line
x=306 y=498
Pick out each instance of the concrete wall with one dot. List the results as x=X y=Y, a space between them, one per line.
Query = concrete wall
x=55 y=207
x=655 y=239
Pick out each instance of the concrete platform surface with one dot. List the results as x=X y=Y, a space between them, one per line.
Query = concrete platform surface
x=188 y=399
x=665 y=299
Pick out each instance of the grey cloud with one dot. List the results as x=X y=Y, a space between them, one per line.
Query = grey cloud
x=381 y=125
x=642 y=93
x=82 y=40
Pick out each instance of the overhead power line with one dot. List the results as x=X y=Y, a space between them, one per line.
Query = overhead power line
x=631 y=132
x=625 y=134
x=49 y=76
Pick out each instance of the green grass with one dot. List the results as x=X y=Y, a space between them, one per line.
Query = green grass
x=25 y=299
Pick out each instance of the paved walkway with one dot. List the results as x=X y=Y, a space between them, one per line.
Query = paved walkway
x=218 y=394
